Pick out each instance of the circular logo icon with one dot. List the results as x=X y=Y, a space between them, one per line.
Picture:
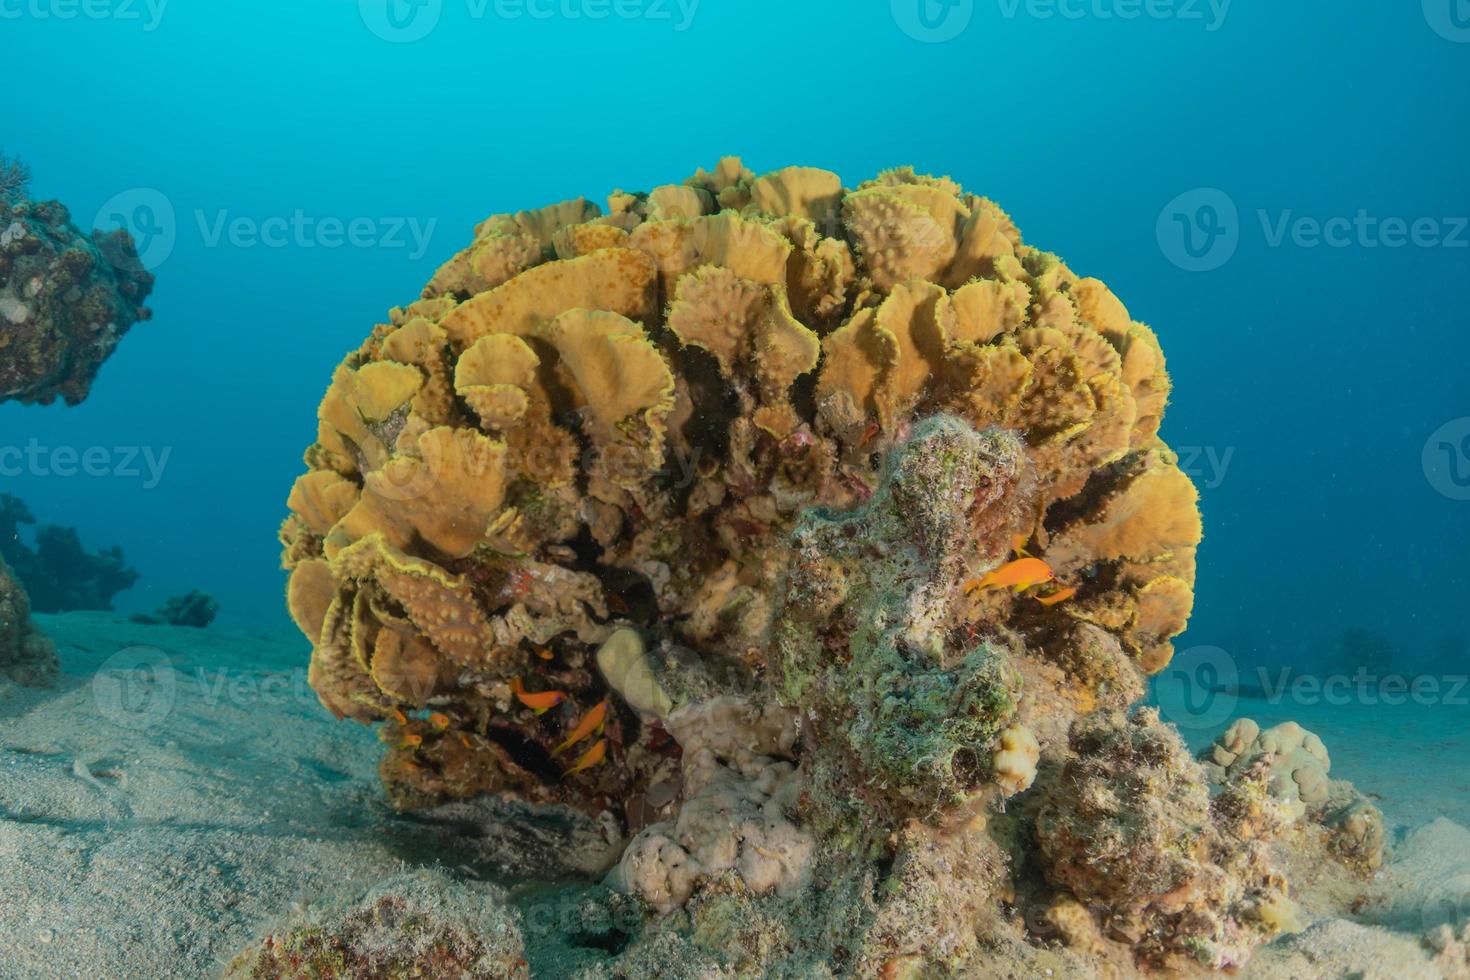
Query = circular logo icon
x=1449 y=18
x=1199 y=230
x=148 y=216
x=135 y=688
x=1448 y=904
x=933 y=21
x=1446 y=459
x=1199 y=690
x=401 y=21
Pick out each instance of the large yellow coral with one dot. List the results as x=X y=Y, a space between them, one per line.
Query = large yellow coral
x=592 y=419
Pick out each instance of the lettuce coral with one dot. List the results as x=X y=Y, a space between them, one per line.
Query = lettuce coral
x=748 y=439
x=66 y=298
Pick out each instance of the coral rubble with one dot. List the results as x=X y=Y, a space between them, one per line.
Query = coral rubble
x=1131 y=832
x=26 y=656
x=793 y=525
x=58 y=573
x=66 y=297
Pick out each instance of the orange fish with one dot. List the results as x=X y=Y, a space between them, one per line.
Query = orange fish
x=1019 y=575
x=400 y=717
x=439 y=721
x=590 y=758
x=540 y=702
x=591 y=722
x=411 y=741
x=1018 y=544
x=544 y=653
x=1060 y=595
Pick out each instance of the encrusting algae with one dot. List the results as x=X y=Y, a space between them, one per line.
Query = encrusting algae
x=794 y=525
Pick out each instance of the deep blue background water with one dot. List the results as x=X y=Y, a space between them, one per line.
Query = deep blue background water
x=1319 y=372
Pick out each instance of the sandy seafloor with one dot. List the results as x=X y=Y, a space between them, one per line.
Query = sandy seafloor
x=153 y=831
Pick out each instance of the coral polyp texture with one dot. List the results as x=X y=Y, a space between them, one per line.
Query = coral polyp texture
x=790 y=524
x=66 y=297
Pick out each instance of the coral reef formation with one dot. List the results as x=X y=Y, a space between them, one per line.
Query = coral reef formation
x=422 y=926
x=58 y=573
x=195 y=610
x=26 y=656
x=793 y=525
x=1296 y=765
x=66 y=298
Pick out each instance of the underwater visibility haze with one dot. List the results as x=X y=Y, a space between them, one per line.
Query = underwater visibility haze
x=677 y=488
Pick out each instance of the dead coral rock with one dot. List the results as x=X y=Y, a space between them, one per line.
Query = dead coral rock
x=903 y=718
x=66 y=299
x=1297 y=764
x=26 y=655
x=738 y=812
x=416 y=926
x=1130 y=830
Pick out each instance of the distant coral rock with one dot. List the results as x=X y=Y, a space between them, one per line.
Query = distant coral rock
x=66 y=297
x=26 y=655
x=196 y=610
x=58 y=573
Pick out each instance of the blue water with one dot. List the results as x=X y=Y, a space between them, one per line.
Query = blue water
x=1307 y=379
